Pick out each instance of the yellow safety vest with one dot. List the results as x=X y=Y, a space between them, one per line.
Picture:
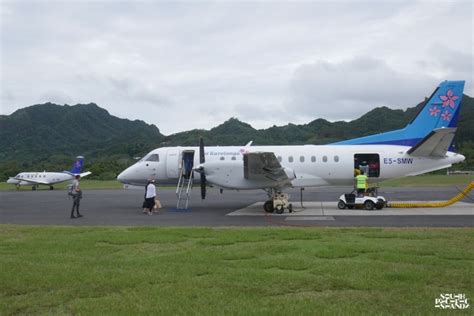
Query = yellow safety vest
x=361 y=181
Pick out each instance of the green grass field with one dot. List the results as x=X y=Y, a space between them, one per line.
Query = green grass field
x=249 y=271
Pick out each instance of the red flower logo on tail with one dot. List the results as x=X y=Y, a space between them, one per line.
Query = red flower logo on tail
x=434 y=111
x=448 y=99
x=446 y=116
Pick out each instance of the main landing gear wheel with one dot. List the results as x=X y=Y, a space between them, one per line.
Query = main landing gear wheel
x=51 y=187
x=279 y=209
x=268 y=206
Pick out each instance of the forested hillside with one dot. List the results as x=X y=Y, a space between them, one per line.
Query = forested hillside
x=49 y=136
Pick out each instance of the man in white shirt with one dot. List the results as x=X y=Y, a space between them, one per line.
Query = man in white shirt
x=150 y=196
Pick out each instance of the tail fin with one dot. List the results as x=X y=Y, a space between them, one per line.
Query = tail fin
x=77 y=167
x=440 y=110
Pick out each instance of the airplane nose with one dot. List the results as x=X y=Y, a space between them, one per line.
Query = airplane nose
x=121 y=177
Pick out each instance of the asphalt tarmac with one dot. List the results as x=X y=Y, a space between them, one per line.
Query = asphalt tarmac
x=123 y=207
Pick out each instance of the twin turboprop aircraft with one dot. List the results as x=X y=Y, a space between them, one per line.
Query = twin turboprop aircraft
x=424 y=145
x=48 y=178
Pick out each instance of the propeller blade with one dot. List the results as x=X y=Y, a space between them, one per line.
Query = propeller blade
x=202 y=160
x=203 y=186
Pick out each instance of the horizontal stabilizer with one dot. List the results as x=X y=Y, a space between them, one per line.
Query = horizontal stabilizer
x=436 y=143
x=84 y=174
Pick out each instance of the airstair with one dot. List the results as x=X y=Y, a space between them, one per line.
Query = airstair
x=185 y=180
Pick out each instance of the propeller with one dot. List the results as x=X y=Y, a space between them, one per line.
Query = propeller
x=202 y=159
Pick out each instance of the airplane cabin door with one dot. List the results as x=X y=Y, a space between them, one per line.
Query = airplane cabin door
x=172 y=163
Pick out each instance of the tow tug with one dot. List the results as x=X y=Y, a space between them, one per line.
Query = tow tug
x=369 y=200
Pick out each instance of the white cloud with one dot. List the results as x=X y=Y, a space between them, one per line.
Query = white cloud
x=350 y=88
x=194 y=64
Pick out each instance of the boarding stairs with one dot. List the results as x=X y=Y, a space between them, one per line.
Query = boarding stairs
x=185 y=181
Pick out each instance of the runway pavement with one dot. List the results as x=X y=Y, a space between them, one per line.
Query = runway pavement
x=123 y=207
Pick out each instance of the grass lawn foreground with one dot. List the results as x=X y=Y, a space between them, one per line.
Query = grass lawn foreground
x=244 y=271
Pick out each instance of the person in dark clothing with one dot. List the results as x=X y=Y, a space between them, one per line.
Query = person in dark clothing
x=145 y=202
x=76 y=197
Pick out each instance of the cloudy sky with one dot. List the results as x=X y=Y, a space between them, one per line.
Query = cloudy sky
x=190 y=64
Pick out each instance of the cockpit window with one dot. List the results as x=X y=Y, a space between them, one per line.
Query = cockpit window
x=153 y=157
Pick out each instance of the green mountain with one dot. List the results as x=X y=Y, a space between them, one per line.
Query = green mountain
x=319 y=131
x=47 y=129
x=48 y=136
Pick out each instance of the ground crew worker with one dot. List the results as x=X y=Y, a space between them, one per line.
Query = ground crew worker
x=361 y=183
x=76 y=196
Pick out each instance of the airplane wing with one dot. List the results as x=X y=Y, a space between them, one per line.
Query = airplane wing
x=435 y=143
x=263 y=166
x=31 y=181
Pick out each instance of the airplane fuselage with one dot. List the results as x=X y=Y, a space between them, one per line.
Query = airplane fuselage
x=308 y=165
x=35 y=178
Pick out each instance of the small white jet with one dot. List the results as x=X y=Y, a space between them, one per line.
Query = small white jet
x=48 y=178
x=424 y=145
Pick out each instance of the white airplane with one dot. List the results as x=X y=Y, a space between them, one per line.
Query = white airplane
x=424 y=145
x=48 y=178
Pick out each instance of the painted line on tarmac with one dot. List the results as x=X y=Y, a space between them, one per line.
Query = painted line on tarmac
x=309 y=218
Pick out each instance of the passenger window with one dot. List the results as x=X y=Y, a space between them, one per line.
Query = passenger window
x=222 y=158
x=290 y=159
x=336 y=158
x=325 y=158
x=279 y=158
x=313 y=158
x=233 y=158
x=301 y=158
x=153 y=157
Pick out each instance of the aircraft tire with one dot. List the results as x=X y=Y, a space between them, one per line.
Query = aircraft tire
x=268 y=207
x=279 y=209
